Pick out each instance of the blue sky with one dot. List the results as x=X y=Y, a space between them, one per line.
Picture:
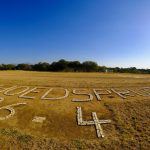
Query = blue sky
x=110 y=32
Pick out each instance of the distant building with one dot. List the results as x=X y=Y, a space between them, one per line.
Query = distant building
x=108 y=70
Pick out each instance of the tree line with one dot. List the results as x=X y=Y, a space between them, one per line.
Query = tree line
x=71 y=66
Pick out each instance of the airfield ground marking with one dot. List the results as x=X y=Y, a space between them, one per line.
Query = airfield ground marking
x=1 y=99
x=10 y=109
x=118 y=93
x=52 y=98
x=39 y=119
x=147 y=89
x=5 y=89
x=95 y=122
x=83 y=93
x=97 y=125
x=100 y=93
x=139 y=93
x=9 y=90
x=122 y=94
x=33 y=90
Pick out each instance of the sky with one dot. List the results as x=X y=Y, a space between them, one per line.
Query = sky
x=110 y=32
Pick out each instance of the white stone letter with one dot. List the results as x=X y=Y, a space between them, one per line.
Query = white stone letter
x=44 y=97
x=78 y=92
x=99 y=92
x=16 y=93
x=30 y=91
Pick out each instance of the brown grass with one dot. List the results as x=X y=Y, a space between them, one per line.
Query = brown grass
x=130 y=127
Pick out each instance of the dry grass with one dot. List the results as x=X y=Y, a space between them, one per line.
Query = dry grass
x=130 y=127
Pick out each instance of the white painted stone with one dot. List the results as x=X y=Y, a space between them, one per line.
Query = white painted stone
x=44 y=97
x=10 y=109
x=99 y=92
x=39 y=119
x=33 y=90
x=122 y=94
x=78 y=92
x=10 y=90
x=141 y=92
x=1 y=99
x=97 y=125
x=3 y=89
x=147 y=90
x=95 y=122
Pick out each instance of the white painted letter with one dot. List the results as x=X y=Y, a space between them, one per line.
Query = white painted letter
x=54 y=98
x=30 y=91
x=11 y=109
x=99 y=92
x=82 y=93
x=10 y=90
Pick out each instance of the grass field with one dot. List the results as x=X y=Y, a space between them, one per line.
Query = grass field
x=129 y=129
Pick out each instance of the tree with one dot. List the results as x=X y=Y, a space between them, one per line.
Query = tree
x=75 y=66
x=42 y=66
x=89 y=66
x=71 y=66
x=61 y=65
x=7 y=67
x=24 y=67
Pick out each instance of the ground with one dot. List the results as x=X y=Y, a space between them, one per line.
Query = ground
x=129 y=129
